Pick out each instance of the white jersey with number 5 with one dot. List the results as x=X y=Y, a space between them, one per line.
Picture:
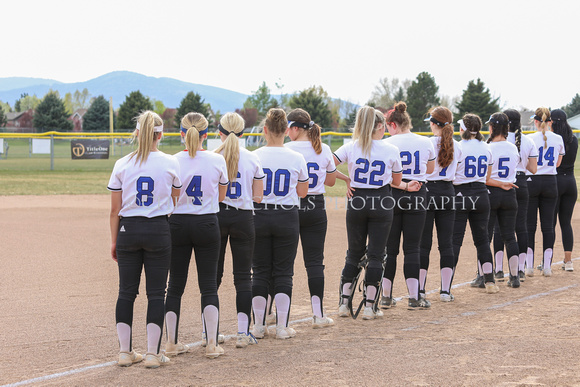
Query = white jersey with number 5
x=547 y=156
x=473 y=163
x=201 y=176
x=506 y=158
x=416 y=151
x=283 y=170
x=374 y=170
x=447 y=173
x=146 y=188
x=318 y=164
x=240 y=193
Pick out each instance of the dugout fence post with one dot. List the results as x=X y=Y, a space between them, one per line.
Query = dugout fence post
x=52 y=152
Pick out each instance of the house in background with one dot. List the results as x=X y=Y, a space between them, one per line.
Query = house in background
x=574 y=121
x=77 y=120
x=19 y=122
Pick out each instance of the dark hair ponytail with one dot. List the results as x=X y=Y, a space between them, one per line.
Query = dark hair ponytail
x=302 y=118
x=473 y=124
x=515 y=125
x=499 y=123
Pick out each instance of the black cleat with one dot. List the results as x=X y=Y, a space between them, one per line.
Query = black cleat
x=514 y=281
x=478 y=282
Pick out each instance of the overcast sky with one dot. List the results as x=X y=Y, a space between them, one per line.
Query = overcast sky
x=526 y=52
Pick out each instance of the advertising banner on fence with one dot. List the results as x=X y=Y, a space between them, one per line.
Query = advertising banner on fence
x=89 y=149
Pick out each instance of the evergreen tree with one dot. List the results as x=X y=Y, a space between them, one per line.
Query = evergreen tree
x=421 y=96
x=134 y=104
x=3 y=119
x=51 y=115
x=96 y=119
x=573 y=108
x=315 y=101
x=191 y=103
x=476 y=99
x=261 y=100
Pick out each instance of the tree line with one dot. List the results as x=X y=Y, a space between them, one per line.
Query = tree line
x=420 y=94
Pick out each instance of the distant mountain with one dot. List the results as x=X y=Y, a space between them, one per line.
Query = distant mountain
x=119 y=84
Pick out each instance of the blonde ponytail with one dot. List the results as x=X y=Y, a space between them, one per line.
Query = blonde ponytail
x=367 y=120
x=234 y=124
x=544 y=114
x=146 y=135
x=193 y=124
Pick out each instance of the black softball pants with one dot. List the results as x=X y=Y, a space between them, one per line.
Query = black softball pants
x=238 y=226
x=522 y=197
x=472 y=203
x=441 y=212
x=543 y=191
x=369 y=214
x=143 y=243
x=201 y=234
x=277 y=234
x=313 y=225
x=567 y=195
x=504 y=209
x=408 y=219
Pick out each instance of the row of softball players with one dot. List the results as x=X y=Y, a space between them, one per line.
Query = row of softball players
x=439 y=170
x=215 y=200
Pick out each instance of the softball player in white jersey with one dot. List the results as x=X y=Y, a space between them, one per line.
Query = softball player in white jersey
x=502 y=193
x=306 y=140
x=236 y=218
x=543 y=189
x=418 y=160
x=144 y=185
x=277 y=225
x=440 y=199
x=472 y=198
x=372 y=165
x=194 y=226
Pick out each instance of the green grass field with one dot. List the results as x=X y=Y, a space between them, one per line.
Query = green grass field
x=24 y=174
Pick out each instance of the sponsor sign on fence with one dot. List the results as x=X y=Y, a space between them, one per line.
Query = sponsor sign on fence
x=89 y=149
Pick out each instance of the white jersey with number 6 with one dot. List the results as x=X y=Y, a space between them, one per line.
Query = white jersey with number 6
x=283 y=169
x=318 y=164
x=146 y=188
x=240 y=194
x=374 y=170
x=547 y=155
x=201 y=177
x=473 y=163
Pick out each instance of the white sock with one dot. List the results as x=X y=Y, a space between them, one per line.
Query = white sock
x=153 y=338
x=522 y=261
x=446 y=275
x=548 y=258
x=243 y=322
x=499 y=261
x=171 y=326
x=211 y=317
x=259 y=305
x=487 y=268
x=413 y=287
x=371 y=293
x=422 y=278
x=387 y=287
x=530 y=258
x=513 y=263
x=124 y=334
x=316 y=307
x=346 y=291
x=282 y=309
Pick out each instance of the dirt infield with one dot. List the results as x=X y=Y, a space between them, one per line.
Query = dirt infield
x=58 y=288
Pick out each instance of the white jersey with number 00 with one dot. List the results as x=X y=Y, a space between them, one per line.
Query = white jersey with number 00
x=240 y=193
x=473 y=163
x=318 y=164
x=447 y=173
x=506 y=159
x=416 y=151
x=547 y=155
x=374 y=170
x=283 y=170
x=201 y=176
x=146 y=188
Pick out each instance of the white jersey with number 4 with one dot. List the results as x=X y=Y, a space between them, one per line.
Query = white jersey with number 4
x=283 y=170
x=416 y=151
x=240 y=193
x=547 y=155
x=475 y=158
x=201 y=176
x=373 y=170
x=146 y=188
x=318 y=164
x=506 y=159
x=447 y=173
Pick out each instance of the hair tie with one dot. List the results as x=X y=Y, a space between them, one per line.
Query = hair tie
x=300 y=124
x=311 y=123
x=227 y=133
x=435 y=121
